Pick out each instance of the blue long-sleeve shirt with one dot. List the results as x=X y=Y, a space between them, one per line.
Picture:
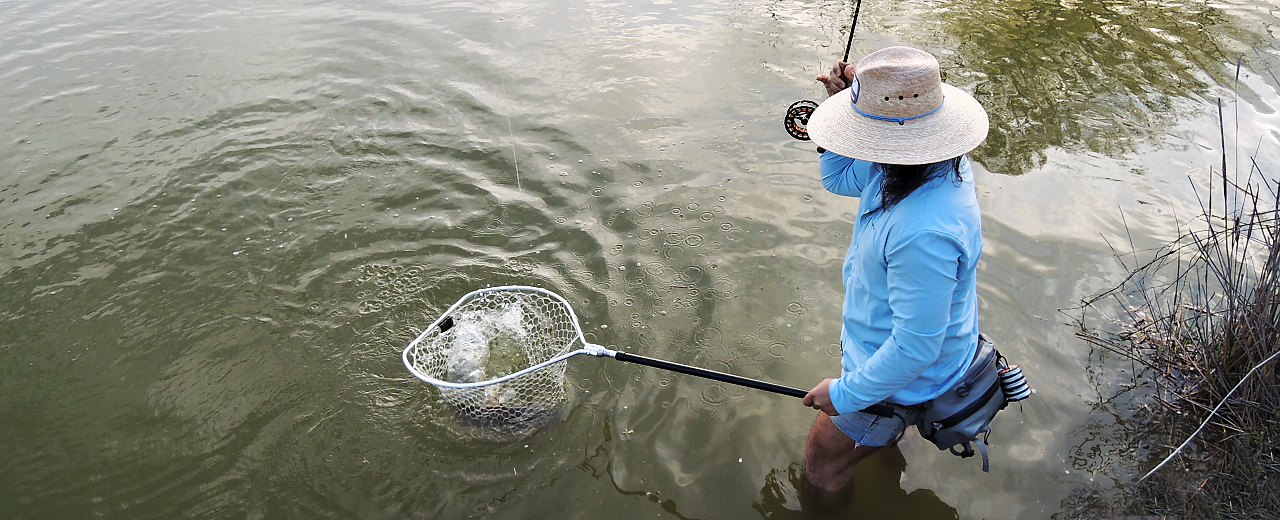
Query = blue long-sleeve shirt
x=911 y=304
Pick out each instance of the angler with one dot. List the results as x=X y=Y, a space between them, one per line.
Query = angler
x=894 y=135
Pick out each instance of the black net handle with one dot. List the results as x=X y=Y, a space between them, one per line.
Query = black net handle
x=879 y=409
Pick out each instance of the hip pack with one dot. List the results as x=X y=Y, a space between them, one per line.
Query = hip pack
x=958 y=417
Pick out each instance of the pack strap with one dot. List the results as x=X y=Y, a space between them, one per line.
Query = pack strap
x=968 y=452
x=986 y=463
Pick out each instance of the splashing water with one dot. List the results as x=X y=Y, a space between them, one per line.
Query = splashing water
x=488 y=341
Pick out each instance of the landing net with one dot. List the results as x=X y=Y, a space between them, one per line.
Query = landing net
x=497 y=355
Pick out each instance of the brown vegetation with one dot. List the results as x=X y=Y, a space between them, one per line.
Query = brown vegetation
x=1202 y=316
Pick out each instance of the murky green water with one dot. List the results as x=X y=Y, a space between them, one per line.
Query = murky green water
x=220 y=224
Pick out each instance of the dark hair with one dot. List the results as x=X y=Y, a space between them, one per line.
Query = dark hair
x=900 y=180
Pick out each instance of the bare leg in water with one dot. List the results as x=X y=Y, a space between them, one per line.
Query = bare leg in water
x=829 y=457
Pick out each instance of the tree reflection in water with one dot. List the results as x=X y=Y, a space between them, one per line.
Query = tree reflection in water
x=1099 y=76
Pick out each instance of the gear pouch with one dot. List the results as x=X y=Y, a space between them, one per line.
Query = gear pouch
x=962 y=414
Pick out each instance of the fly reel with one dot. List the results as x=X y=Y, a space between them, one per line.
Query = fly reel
x=798 y=114
x=797 y=118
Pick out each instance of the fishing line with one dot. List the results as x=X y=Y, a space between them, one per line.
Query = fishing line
x=796 y=121
x=511 y=133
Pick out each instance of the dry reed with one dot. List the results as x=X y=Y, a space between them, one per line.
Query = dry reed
x=1202 y=316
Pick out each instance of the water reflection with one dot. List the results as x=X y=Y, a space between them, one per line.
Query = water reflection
x=877 y=493
x=1117 y=437
x=1104 y=76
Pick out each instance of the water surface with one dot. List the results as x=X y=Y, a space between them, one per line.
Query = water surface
x=220 y=224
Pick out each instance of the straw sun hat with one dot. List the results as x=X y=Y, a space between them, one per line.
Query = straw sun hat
x=898 y=111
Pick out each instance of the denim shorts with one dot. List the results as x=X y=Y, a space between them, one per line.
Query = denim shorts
x=873 y=430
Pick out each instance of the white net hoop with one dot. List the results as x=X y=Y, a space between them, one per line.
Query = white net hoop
x=497 y=355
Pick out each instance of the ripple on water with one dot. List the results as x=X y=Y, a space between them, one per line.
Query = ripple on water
x=673 y=253
x=711 y=395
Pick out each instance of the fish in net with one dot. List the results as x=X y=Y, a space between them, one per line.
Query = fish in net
x=491 y=334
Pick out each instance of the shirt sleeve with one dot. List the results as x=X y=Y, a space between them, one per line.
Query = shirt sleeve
x=843 y=175
x=922 y=274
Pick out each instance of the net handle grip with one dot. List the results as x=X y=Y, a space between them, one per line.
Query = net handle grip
x=875 y=409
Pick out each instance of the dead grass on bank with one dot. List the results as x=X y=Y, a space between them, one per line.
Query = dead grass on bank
x=1201 y=315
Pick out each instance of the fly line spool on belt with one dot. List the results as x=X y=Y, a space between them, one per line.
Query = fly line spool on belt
x=497 y=356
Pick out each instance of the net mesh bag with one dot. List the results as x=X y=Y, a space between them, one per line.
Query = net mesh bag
x=494 y=333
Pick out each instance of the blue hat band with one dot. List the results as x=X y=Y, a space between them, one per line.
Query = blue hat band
x=899 y=120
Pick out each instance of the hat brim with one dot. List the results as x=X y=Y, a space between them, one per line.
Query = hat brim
x=958 y=127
